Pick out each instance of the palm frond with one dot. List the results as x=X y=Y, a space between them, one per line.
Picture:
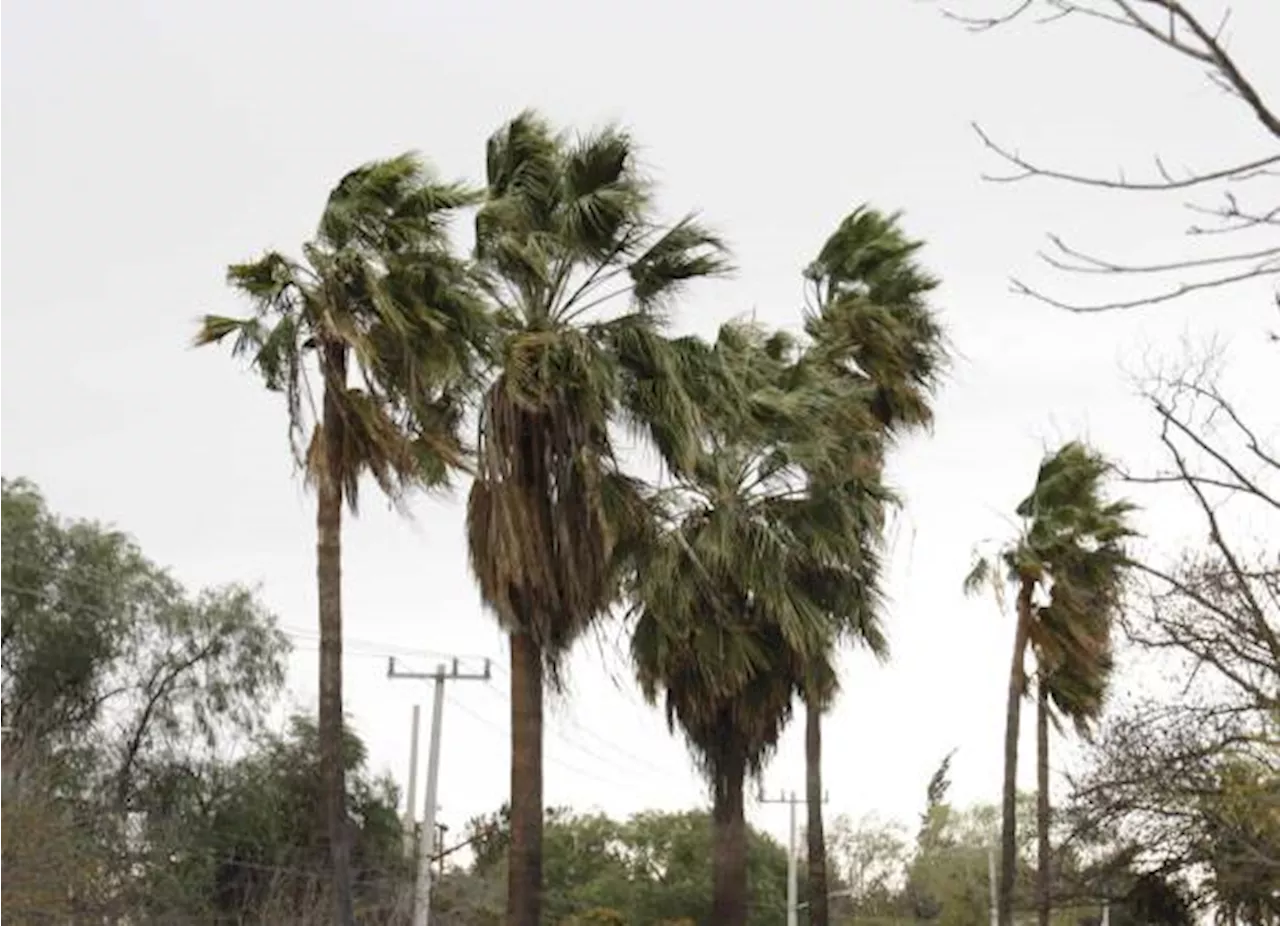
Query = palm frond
x=379 y=294
x=871 y=320
x=1072 y=543
x=554 y=523
x=686 y=251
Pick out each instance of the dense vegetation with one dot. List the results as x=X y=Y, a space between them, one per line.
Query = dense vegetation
x=724 y=500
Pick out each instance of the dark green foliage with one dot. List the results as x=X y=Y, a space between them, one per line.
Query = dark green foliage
x=577 y=266
x=389 y=316
x=1153 y=901
x=651 y=868
x=754 y=568
x=91 y=626
x=262 y=822
x=869 y=318
x=119 y=688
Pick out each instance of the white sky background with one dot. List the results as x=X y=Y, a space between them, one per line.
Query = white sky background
x=148 y=144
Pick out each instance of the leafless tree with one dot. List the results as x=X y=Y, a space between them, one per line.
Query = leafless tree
x=1218 y=608
x=1185 y=779
x=1235 y=209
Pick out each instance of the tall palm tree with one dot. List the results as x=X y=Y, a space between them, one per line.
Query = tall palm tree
x=870 y=324
x=1070 y=545
x=580 y=273
x=382 y=313
x=733 y=598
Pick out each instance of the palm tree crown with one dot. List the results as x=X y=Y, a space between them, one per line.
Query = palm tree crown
x=1071 y=549
x=869 y=318
x=379 y=286
x=579 y=271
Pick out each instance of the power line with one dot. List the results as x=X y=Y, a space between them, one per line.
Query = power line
x=626 y=755
x=354 y=647
x=289 y=630
x=503 y=731
x=620 y=750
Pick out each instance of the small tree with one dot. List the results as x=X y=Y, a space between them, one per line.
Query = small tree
x=1070 y=555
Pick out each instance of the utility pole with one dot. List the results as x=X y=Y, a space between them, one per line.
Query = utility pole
x=411 y=791
x=991 y=880
x=793 y=893
x=427 y=835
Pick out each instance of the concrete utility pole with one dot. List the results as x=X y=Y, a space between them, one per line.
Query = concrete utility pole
x=411 y=790
x=991 y=880
x=793 y=887
x=426 y=837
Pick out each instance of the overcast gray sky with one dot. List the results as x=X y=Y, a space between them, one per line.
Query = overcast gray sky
x=147 y=144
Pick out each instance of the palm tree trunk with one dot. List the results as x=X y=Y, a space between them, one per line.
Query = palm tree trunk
x=819 y=915
x=329 y=596
x=524 y=858
x=1044 y=863
x=1012 y=721
x=729 y=844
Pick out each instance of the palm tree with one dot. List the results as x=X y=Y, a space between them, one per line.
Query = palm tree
x=1071 y=544
x=870 y=324
x=383 y=314
x=733 y=598
x=579 y=272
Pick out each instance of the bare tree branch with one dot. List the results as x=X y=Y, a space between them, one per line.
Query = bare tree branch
x=1028 y=169
x=1172 y=25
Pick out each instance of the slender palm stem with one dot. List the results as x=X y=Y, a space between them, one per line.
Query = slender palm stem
x=819 y=907
x=1013 y=712
x=329 y=586
x=1043 y=861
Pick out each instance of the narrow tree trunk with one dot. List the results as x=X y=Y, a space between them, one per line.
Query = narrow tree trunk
x=329 y=594
x=819 y=914
x=729 y=846
x=1013 y=713
x=1043 y=862
x=524 y=858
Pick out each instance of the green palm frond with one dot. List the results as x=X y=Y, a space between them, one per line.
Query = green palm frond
x=573 y=260
x=761 y=566
x=684 y=252
x=869 y=318
x=568 y=225
x=388 y=316
x=1072 y=543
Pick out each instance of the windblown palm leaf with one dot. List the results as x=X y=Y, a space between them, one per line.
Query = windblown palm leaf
x=383 y=313
x=869 y=318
